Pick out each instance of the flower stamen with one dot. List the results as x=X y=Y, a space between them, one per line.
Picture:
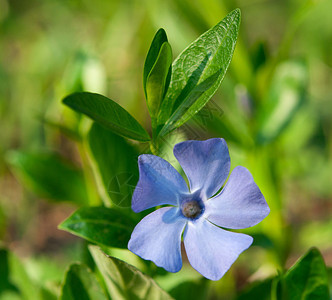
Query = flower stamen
x=191 y=209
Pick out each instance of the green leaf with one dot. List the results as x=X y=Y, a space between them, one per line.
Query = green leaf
x=124 y=281
x=107 y=113
x=49 y=175
x=157 y=79
x=116 y=161
x=208 y=56
x=159 y=39
x=81 y=284
x=104 y=226
x=307 y=279
x=180 y=115
x=285 y=96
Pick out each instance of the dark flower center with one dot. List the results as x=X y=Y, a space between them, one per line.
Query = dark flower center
x=192 y=209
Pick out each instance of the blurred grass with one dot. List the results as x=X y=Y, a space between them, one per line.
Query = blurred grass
x=49 y=49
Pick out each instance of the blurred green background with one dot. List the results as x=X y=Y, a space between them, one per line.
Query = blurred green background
x=274 y=109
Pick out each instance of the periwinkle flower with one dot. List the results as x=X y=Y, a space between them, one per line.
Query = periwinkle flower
x=196 y=212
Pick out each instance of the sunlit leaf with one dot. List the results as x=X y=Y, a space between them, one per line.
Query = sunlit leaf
x=159 y=39
x=124 y=281
x=207 y=57
x=107 y=113
x=49 y=175
x=104 y=226
x=156 y=83
x=177 y=117
x=81 y=284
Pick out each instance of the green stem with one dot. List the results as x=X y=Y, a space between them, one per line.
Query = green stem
x=153 y=142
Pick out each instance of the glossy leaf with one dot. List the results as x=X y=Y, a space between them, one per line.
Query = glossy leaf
x=307 y=279
x=116 y=161
x=124 y=281
x=208 y=56
x=159 y=39
x=156 y=83
x=49 y=175
x=285 y=96
x=81 y=284
x=104 y=226
x=107 y=113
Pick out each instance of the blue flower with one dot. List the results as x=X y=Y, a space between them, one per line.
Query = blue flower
x=196 y=212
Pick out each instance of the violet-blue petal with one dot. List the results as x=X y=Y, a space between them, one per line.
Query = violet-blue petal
x=211 y=250
x=157 y=237
x=206 y=164
x=159 y=183
x=240 y=204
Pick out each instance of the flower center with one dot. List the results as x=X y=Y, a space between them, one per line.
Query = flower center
x=192 y=209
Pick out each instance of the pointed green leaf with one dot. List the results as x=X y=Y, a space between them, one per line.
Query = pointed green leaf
x=157 y=79
x=159 y=39
x=210 y=54
x=307 y=279
x=107 y=113
x=104 y=226
x=124 y=281
x=49 y=175
x=81 y=284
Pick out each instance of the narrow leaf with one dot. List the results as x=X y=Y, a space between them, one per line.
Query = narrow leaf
x=307 y=279
x=210 y=54
x=124 y=281
x=157 y=79
x=107 y=113
x=104 y=226
x=81 y=284
x=159 y=39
